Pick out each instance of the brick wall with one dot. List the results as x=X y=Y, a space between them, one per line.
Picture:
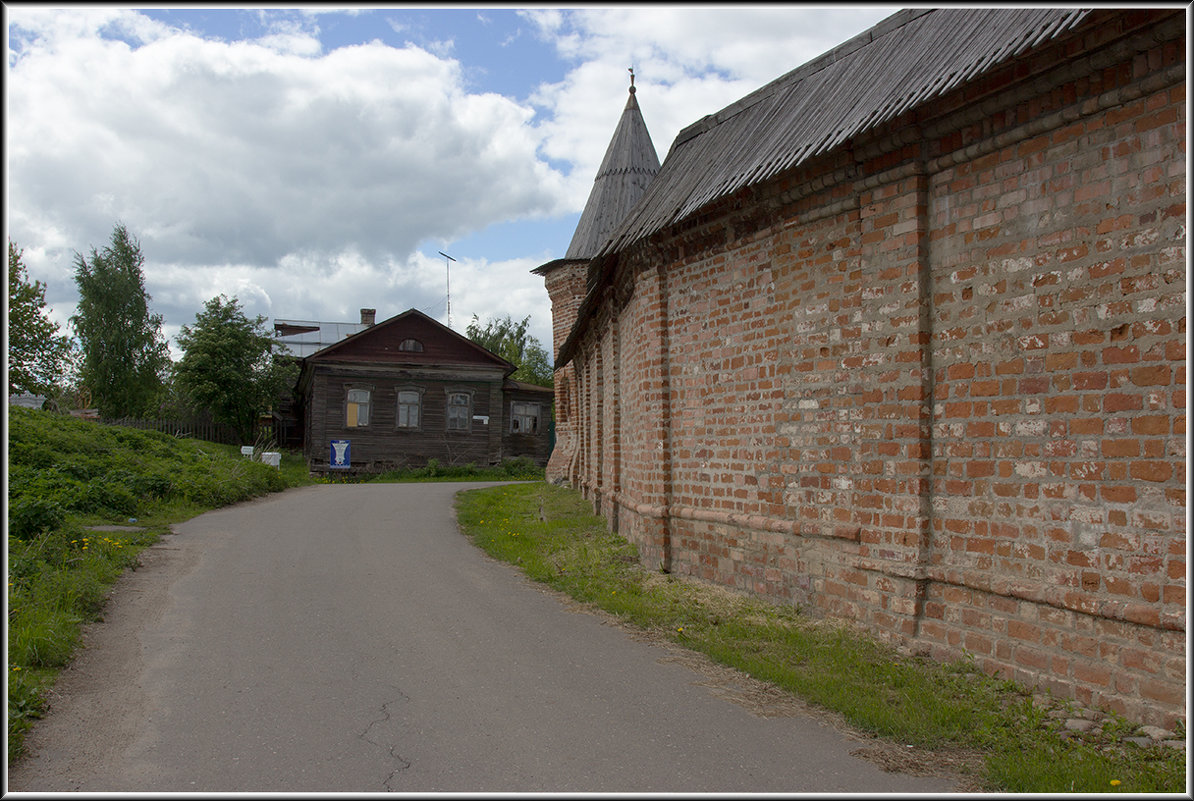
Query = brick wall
x=943 y=396
x=565 y=285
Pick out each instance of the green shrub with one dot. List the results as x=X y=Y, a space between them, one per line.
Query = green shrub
x=81 y=470
x=29 y=516
x=521 y=466
x=31 y=454
x=108 y=496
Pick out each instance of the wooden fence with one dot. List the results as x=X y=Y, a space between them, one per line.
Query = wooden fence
x=204 y=430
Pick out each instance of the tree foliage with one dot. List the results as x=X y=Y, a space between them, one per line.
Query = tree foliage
x=125 y=356
x=510 y=340
x=229 y=365
x=39 y=358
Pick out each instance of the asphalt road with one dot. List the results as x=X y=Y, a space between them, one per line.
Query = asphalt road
x=349 y=639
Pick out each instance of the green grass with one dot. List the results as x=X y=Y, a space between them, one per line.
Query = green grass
x=520 y=469
x=67 y=475
x=552 y=535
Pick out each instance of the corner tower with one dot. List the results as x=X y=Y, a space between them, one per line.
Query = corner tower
x=629 y=165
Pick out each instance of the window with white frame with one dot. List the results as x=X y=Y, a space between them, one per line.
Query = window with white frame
x=524 y=418
x=357 y=408
x=460 y=411
x=410 y=405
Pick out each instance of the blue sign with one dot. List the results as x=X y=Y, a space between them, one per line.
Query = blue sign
x=341 y=456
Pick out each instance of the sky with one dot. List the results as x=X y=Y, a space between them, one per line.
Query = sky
x=311 y=162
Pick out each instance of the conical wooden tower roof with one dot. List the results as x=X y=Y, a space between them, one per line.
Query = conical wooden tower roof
x=629 y=165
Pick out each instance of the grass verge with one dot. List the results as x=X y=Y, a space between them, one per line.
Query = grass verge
x=519 y=469
x=66 y=477
x=550 y=533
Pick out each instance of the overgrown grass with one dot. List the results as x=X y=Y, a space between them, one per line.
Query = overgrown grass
x=551 y=534
x=66 y=476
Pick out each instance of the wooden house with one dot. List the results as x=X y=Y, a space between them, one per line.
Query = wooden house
x=301 y=338
x=407 y=390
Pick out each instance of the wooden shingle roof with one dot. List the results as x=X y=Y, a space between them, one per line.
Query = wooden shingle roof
x=629 y=165
x=903 y=62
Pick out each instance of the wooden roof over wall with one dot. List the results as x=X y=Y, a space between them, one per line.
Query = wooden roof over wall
x=903 y=62
x=907 y=60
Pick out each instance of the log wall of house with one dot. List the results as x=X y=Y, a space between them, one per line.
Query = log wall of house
x=933 y=382
x=534 y=446
x=381 y=445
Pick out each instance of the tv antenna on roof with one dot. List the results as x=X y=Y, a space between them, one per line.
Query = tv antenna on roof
x=448 y=279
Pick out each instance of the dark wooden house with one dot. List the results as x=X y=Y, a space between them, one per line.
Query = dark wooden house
x=408 y=390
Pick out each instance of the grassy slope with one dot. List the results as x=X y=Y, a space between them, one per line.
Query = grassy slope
x=552 y=535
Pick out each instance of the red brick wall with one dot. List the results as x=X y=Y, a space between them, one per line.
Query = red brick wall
x=566 y=289
x=1059 y=278
x=944 y=398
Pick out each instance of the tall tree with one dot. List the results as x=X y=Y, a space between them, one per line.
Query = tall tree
x=229 y=365
x=125 y=356
x=510 y=340
x=39 y=358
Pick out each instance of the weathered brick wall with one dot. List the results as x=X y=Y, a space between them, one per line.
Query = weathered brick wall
x=1059 y=279
x=942 y=396
x=565 y=285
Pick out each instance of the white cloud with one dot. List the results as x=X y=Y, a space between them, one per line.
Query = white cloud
x=251 y=153
x=308 y=183
x=688 y=62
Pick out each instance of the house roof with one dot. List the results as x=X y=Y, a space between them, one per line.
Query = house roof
x=905 y=61
x=27 y=400
x=304 y=337
x=349 y=348
x=523 y=386
x=629 y=165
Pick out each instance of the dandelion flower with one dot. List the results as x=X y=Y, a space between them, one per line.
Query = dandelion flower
x=1115 y=782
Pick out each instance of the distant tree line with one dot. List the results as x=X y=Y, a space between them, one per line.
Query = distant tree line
x=119 y=362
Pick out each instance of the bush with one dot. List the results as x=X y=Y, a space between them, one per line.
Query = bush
x=31 y=454
x=29 y=516
x=522 y=466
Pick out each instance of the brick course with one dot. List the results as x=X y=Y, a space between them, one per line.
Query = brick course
x=942 y=394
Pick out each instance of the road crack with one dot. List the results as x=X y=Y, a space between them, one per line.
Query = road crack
x=375 y=729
